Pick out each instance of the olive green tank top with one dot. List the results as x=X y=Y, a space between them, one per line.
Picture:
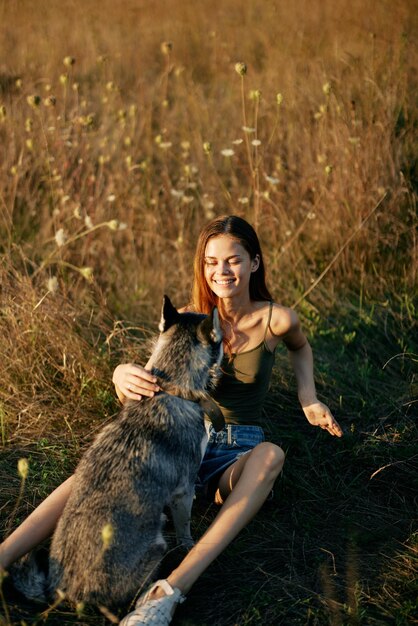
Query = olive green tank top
x=244 y=383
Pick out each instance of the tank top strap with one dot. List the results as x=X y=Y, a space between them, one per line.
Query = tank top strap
x=268 y=320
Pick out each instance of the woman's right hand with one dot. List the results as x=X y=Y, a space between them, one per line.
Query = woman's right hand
x=133 y=381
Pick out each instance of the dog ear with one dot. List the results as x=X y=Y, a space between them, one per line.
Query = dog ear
x=210 y=329
x=169 y=315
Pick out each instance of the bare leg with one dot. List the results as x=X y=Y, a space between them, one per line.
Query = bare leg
x=248 y=482
x=36 y=527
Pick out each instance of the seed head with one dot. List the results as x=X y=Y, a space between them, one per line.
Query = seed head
x=255 y=94
x=33 y=101
x=50 y=101
x=113 y=225
x=207 y=147
x=68 y=61
x=241 y=68
x=107 y=535
x=79 y=609
x=64 y=79
x=23 y=468
x=88 y=221
x=166 y=47
x=87 y=273
x=328 y=169
x=326 y=88
x=52 y=284
x=279 y=98
x=60 y=237
x=3 y=113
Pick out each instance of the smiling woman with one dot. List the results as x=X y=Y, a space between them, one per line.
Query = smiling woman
x=239 y=467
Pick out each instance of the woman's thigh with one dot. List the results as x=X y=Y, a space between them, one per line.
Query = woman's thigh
x=269 y=456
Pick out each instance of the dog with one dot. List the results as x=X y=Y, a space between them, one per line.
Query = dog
x=108 y=541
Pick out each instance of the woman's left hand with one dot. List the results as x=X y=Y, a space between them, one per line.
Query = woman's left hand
x=318 y=414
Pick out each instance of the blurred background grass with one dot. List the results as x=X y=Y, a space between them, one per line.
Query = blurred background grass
x=123 y=129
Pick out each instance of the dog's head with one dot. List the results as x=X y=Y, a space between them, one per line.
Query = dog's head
x=208 y=327
x=193 y=340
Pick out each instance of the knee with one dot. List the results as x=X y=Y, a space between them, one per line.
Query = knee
x=271 y=458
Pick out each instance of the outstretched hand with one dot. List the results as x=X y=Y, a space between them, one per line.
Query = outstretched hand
x=318 y=414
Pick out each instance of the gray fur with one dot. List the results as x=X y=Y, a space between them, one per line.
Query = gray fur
x=146 y=459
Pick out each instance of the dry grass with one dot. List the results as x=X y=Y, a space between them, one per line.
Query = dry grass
x=110 y=165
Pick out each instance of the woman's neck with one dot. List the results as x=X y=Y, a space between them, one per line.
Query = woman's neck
x=233 y=310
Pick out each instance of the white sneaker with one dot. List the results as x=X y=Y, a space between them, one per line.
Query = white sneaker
x=156 y=612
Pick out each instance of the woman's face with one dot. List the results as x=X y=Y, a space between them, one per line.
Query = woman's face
x=228 y=267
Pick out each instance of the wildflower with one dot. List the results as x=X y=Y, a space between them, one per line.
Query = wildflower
x=52 y=284
x=50 y=101
x=354 y=140
x=18 y=83
x=328 y=169
x=207 y=147
x=187 y=199
x=111 y=197
x=237 y=142
x=256 y=142
x=110 y=86
x=87 y=273
x=13 y=170
x=64 y=79
x=177 y=193
x=326 y=88
x=29 y=144
x=279 y=98
x=113 y=225
x=122 y=226
x=227 y=152
x=185 y=145
x=68 y=61
x=23 y=468
x=107 y=535
x=34 y=101
x=243 y=200
x=79 y=609
x=166 y=47
x=165 y=145
x=248 y=130
x=127 y=142
x=255 y=94
x=241 y=68
x=208 y=204
x=77 y=212
x=271 y=179
x=311 y=215
x=60 y=237
x=88 y=221
x=3 y=113
x=75 y=86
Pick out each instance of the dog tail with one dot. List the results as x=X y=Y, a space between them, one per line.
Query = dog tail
x=30 y=576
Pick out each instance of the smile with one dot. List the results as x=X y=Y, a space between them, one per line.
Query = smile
x=227 y=281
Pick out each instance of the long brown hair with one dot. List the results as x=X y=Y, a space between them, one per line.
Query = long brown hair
x=203 y=298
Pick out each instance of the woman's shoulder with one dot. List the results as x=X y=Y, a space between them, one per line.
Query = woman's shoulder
x=284 y=320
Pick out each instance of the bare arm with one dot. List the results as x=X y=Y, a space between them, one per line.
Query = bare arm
x=36 y=527
x=301 y=358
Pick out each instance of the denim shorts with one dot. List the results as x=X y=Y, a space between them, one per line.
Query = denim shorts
x=225 y=447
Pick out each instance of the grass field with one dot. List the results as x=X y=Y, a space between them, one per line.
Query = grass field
x=125 y=128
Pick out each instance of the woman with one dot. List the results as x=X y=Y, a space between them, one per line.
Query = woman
x=229 y=273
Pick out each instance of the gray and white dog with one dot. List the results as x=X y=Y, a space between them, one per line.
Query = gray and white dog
x=109 y=538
